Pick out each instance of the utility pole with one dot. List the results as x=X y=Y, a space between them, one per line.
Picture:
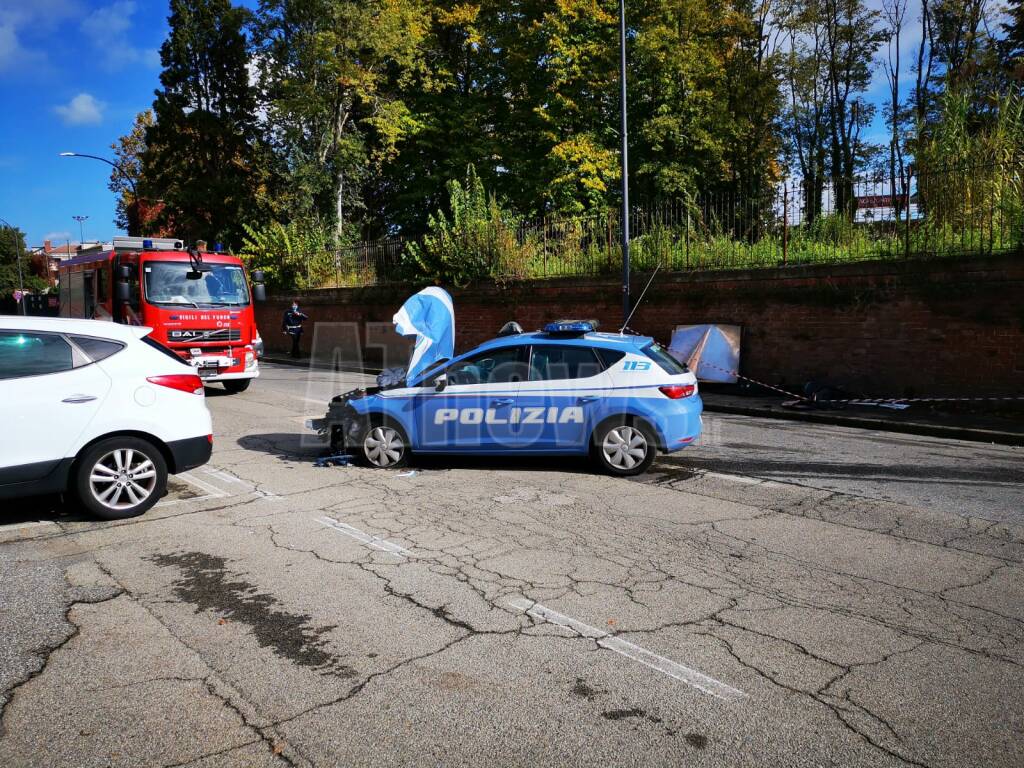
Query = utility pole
x=626 y=308
x=81 y=227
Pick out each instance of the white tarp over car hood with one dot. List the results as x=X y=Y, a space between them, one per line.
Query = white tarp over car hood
x=429 y=316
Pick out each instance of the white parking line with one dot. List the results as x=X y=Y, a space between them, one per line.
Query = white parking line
x=211 y=491
x=684 y=674
x=222 y=475
x=227 y=477
x=365 y=538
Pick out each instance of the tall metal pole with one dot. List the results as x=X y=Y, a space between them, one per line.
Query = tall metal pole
x=81 y=227
x=626 y=308
x=121 y=172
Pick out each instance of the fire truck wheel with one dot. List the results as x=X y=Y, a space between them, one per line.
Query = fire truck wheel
x=234 y=386
x=120 y=477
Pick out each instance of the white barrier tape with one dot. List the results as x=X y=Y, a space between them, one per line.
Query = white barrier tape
x=863 y=400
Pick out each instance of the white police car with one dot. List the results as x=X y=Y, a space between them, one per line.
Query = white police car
x=564 y=390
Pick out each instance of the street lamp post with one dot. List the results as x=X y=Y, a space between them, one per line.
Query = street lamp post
x=81 y=228
x=17 y=252
x=626 y=308
x=116 y=167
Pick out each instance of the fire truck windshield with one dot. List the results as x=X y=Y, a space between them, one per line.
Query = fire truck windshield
x=166 y=282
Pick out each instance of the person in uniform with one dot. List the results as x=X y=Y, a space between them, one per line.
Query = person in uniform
x=291 y=324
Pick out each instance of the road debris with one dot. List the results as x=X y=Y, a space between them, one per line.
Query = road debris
x=334 y=460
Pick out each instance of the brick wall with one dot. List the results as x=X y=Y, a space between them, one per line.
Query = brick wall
x=885 y=328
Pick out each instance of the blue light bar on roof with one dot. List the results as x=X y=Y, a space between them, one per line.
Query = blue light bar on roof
x=570 y=327
x=147 y=245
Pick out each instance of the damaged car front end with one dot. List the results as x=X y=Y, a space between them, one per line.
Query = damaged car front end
x=347 y=419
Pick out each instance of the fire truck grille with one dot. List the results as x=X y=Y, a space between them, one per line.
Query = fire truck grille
x=193 y=335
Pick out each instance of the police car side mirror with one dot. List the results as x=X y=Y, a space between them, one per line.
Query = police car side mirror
x=441 y=382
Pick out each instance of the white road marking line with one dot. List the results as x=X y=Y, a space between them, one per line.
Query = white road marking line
x=684 y=674
x=735 y=478
x=222 y=475
x=210 y=490
x=365 y=538
x=227 y=477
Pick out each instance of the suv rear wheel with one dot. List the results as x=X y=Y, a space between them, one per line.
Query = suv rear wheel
x=623 y=446
x=120 y=477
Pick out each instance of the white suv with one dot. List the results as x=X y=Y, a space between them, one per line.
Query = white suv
x=97 y=410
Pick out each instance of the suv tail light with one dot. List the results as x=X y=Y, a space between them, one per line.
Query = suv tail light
x=183 y=382
x=677 y=391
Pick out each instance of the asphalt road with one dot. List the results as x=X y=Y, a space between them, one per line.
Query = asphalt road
x=782 y=594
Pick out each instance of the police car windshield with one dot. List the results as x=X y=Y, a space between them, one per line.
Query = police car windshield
x=222 y=286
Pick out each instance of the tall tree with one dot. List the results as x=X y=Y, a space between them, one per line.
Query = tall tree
x=1013 y=46
x=581 y=113
x=128 y=152
x=204 y=157
x=852 y=38
x=806 y=121
x=331 y=76
x=895 y=13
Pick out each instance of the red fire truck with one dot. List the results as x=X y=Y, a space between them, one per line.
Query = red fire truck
x=198 y=304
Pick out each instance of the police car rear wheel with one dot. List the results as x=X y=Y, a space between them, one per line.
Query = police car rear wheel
x=385 y=446
x=625 y=448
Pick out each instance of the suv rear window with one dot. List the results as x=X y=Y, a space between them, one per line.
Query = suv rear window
x=665 y=361
x=97 y=349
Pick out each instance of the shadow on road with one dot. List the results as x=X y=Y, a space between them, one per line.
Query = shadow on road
x=287 y=446
x=767 y=467
x=54 y=508
x=304 y=446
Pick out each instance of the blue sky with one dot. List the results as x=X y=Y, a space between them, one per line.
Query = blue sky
x=73 y=75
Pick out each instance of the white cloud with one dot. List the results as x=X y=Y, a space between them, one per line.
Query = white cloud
x=83 y=109
x=58 y=236
x=37 y=18
x=108 y=27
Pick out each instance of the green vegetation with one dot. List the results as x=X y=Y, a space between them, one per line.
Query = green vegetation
x=300 y=128
x=12 y=242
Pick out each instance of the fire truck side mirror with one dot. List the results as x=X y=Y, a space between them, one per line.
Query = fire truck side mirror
x=122 y=292
x=124 y=272
x=257 y=276
x=259 y=292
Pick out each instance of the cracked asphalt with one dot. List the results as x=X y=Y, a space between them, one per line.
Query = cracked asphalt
x=782 y=594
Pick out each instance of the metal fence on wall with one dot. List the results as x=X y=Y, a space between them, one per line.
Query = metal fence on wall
x=966 y=211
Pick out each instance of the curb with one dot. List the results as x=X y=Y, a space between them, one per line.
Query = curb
x=970 y=434
x=858 y=422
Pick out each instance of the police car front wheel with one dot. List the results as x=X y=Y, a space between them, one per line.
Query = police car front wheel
x=624 y=447
x=385 y=446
